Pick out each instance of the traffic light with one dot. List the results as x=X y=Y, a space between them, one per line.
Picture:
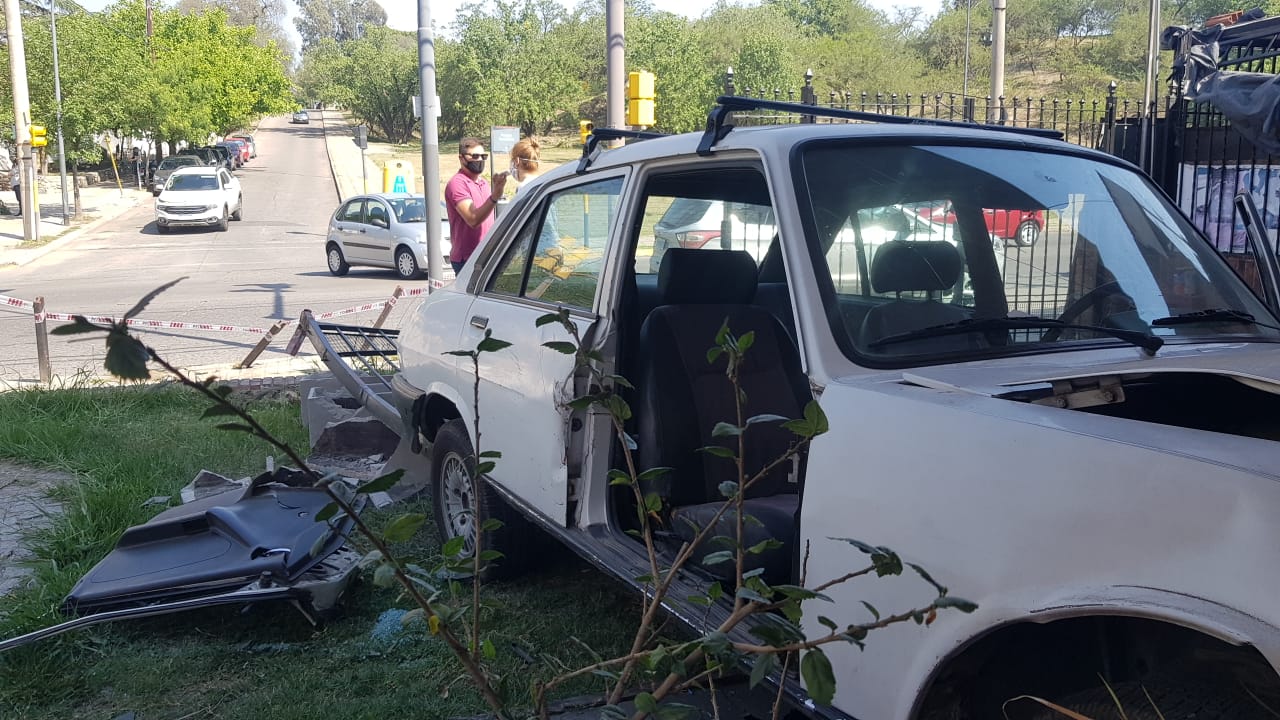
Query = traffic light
x=39 y=136
x=640 y=98
x=585 y=128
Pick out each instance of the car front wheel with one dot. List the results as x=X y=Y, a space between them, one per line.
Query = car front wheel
x=223 y=222
x=337 y=263
x=407 y=265
x=1028 y=233
x=239 y=213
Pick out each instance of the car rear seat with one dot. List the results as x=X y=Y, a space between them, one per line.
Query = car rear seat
x=682 y=396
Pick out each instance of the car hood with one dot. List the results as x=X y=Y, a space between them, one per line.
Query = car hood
x=190 y=197
x=1253 y=363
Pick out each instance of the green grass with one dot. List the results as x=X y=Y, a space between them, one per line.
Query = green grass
x=126 y=445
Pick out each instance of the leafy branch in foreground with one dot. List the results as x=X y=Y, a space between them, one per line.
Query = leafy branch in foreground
x=771 y=613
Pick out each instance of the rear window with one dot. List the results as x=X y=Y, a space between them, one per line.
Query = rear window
x=193 y=182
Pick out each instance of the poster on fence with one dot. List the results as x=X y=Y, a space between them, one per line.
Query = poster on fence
x=1207 y=195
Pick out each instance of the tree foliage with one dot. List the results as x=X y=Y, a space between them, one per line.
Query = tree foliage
x=339 y=20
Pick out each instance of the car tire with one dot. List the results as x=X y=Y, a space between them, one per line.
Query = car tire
x=1027 y=234
x=1158 y=698
x=224 y=222
x=407 y=265
x=337 y=262
x=239 y=213
x=452 y=489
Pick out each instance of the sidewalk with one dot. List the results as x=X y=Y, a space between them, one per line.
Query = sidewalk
x=345 y=158
x=99 y=204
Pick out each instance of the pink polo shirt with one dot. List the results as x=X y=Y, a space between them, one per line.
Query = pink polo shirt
x=463 y=238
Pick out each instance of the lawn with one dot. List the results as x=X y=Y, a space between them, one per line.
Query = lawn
x=125 y=445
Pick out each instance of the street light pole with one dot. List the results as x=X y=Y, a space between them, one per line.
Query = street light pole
x=995 y=112
x=22 y=121
x=968 y=10
x=430 y=144
x=57 y=97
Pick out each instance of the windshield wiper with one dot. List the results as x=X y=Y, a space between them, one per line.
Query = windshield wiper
x=1148 y=342
x=1211 y=315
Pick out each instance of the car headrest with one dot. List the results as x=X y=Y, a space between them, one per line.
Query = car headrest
x=901 y=266
x=706 y=277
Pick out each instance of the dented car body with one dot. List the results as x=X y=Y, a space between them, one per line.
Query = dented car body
x=1082 y=436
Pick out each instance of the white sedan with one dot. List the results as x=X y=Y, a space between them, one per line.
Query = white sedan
x=199 y=197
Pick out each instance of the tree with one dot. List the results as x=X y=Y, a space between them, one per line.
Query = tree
x=340 y=20
x=266 y=16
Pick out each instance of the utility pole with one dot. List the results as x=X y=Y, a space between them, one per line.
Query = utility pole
x=615 y=63
x=995 y=112
x=968 y=11
x=22 y=121
x=57 y=97
x=1149 y=86
x=430 y=143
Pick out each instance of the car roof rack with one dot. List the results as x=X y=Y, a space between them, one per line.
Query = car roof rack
x=718 y=125
x=598 y=134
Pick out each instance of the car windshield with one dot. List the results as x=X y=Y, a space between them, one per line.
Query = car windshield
x=409 y=210
x=192 y=182
x=913 y=248
x=170 y=163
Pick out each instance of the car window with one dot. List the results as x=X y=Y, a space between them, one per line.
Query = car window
x=568 y=240
x=193 y=182
x=378 y=214
x=409 y=210
x=724 y=209
x=353 y=212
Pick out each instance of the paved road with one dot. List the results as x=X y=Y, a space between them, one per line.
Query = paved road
x=268 y=267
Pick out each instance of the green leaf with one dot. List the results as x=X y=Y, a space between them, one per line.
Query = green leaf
x=582 y=403
x=385 y=575
x=928 y=578
x=497 y=454
x=460 y=353
x=410 y=617
x=714 y=354
x=718 y=451
x=618 y=407
x=715 y=591
x=715 y=643
x=381 y=483
x=872 y=609
x=612 y=712
x=222 y=391
x=728 y=488
x=819 y=680
x=218 y=411
x=828 y=623
x=327 y=512
x=486 y=467
x=722 y=335
x=764 y=545
x=488 y=556
x=238 y=427
x=753 y=573
x=765 y=417
x=619 y=380
x=948 y=601
x=146 y=299
x=746 y=341
x=652 y=474
x=645 y=703
x=491 y=344
x=491 y=525
x=816 y=417
x=403 y=527
x=629 y=441
x=764 y=666
x=653 y=502
x=371 y=557
x=717 y=557
x=797 y=592
x=724 y=429
x=547 y=319
x=561 y=346
x=677 y=711
x=126 y=356
x=618 y=477
x=486 y=647
x=78 y=325
x=748 y=594
x=453 y=548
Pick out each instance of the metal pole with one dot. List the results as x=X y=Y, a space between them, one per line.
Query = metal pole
x=57 y=97
x=364 y=172
x=42 y=341
x=1148 y=88
x=615 y=62
x=430 y=143
x=968 y=10
x=997 y=61
x=22 y=120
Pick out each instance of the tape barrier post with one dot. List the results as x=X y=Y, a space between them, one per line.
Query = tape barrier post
x=262 y=344
x=386 y=309
x=295 y=342
x=42 y=342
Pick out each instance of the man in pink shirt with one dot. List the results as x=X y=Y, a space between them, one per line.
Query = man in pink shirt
x=470 y=202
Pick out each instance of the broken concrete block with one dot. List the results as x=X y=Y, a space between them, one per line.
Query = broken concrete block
x=207 y=484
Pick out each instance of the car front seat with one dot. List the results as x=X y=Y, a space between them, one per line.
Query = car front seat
x=682 y=396
x=902 y=266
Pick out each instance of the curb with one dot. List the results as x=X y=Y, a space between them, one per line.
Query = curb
x=27 y=256
x=333 y=171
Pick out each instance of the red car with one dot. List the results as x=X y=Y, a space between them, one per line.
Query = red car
x=241 y=146
x=1022 y=227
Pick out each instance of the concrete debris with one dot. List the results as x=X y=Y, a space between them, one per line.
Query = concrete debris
x=208 y=483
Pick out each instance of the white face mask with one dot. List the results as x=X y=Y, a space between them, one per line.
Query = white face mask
x=514 y=170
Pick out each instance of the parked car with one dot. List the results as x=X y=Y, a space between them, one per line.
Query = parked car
x=168 y=165
x=1086 y=448
x=249 y=138
x=241 y=148
x=382 y=230
x=1021 y=227
x=207 y=155
x=301 y=117
x=199 y=197
x=225 y=157
x=233 y=153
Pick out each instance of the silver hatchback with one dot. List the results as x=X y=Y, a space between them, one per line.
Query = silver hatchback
x=386 y=230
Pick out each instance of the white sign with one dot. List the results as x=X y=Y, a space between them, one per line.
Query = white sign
x=417 y=106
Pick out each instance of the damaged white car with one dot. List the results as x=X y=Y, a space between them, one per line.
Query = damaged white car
x=1082 y=436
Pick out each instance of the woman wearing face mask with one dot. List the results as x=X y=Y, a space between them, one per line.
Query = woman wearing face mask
x=526 y=164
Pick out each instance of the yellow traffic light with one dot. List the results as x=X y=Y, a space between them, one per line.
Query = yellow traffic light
x=640 y=98
x=39 y=136
x=585 y=127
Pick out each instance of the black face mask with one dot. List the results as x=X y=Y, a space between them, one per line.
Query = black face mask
x=475 y=166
